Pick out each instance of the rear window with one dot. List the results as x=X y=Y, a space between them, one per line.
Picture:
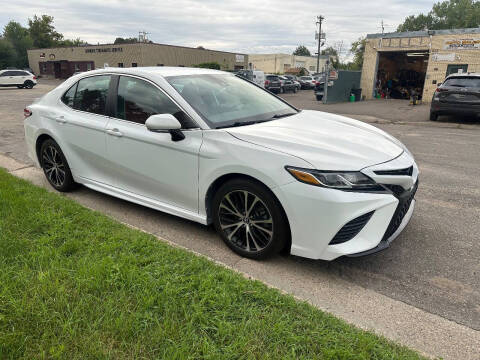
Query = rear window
x=306 y=78
x=272 y=77
x=471 y=82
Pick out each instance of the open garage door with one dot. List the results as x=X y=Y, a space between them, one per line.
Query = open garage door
x=401 y=74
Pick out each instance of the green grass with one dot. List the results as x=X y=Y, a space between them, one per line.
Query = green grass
x=75 y=284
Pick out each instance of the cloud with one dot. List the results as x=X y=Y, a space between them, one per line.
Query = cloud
x=248 y=26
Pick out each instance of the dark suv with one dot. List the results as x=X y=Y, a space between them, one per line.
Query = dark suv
x=459 y=94
x=273 y=83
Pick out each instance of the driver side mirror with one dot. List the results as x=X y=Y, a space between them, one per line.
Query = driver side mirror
x=165 y=123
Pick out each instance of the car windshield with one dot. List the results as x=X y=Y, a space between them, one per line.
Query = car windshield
x=224 y=100
x=306 y=78
x=470 y=82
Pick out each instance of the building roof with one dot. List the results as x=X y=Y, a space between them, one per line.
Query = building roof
x=139 y=43
x=424 y=33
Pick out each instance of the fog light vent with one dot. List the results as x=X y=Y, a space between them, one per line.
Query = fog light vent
x=351 y=229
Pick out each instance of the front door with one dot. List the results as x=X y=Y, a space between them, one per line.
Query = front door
x=147 y=163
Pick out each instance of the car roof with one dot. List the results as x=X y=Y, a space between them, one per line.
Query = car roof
x=463 y=75
x=157 y=70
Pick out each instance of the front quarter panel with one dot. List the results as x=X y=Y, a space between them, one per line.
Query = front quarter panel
x=222 y=154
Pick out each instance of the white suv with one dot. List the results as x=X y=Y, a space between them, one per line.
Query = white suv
x=19 y=78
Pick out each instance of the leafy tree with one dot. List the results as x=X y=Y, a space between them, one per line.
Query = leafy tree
x=74 y=42
x=330 y=50
x=43 y=32
x=357 y=49
x=208 y=65
x=7 y=54
x=120 y=40
x=20 y=39
x=302 y=50
x=448 y=14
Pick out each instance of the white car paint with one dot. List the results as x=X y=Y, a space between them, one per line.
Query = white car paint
x=150 y=169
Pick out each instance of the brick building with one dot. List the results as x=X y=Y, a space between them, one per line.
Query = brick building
x=64 y=61
x=417 y=60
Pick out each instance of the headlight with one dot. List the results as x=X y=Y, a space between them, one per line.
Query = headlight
x=343 y=180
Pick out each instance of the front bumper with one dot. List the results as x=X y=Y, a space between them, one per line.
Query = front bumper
x=317 y=214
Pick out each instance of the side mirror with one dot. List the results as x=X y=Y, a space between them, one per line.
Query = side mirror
x=165 y=123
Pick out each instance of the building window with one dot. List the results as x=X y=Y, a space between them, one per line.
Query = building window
x=77 y=67
x=89 y=66
x=120 y=64
x=134 y=64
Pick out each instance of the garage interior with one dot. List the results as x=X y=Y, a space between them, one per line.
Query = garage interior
x=401 y=74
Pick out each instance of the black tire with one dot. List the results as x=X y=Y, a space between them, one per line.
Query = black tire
x=295 y=90
x=433 y=116
x=20 y=86
x=265 y=237
x=55 y=167
x=28 y=84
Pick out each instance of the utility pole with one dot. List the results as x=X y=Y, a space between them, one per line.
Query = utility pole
x=320 y=18
x=383 y=28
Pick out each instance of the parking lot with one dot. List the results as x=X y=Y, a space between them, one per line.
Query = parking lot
x=434 y=265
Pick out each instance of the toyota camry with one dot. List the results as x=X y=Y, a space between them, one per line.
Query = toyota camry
x=213 y=148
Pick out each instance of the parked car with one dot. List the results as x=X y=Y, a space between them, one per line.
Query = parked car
x=308 y=82
x=287 y=85
x=459 y=94
x=19 y=78
x=256 y=76
x=273 y=83
x=210 y=147
x=295 y=81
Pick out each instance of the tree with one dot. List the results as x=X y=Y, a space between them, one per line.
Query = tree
x=20 y=40
x=7 y=54
x=302 y=50
x=448 y=14
x=120 y=40
x=43 y=32
x=330 y=50
x=74 y=42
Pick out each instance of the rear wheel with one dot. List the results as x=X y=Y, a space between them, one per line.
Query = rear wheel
x=295 y=90
x=433 y=116
x=250 y=219
x=28 y=84
x=55 y=166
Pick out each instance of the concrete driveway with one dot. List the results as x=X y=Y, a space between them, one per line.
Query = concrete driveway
x=434 y=265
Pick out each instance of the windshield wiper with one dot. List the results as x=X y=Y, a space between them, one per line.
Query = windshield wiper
x=242 y=123
x=278 y=116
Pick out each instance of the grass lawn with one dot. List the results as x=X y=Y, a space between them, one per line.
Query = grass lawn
x=75 y=284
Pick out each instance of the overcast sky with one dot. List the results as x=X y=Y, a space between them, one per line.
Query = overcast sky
x=248 y=26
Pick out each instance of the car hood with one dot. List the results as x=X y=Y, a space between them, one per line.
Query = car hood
x=326 y=141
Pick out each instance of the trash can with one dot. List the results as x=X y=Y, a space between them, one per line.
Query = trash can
x=357 y=93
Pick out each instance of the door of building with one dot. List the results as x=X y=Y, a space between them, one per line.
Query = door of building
x=454 y=68
x=57 y=69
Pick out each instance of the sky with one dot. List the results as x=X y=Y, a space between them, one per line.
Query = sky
x=246 y=26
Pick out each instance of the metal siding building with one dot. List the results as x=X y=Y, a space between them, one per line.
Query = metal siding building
x=279 y=63
x=64 y=61
x=438 y=53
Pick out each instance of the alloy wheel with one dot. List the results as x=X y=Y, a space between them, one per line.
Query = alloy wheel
x=53 y=166
x=246 y=221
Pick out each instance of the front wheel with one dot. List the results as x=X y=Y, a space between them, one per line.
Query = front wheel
x=250 y=219
x=55 y=166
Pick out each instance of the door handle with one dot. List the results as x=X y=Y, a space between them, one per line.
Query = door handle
x=61 y=120
x=114 y=132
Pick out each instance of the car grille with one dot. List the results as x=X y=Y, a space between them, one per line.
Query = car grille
x=399 y=172
x=405 y=198
x=351 y=229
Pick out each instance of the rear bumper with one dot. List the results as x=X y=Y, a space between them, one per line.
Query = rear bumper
x=438 y=107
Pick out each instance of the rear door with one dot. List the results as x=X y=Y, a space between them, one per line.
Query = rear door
x=460 y=90
x=7 y=78
x=148 y=163
x=80 y=121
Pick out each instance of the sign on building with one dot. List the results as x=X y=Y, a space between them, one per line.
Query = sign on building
x=239 y=58
x=443 y=57
x=462 y=44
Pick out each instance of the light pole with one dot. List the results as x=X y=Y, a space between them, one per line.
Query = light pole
x=320 y=18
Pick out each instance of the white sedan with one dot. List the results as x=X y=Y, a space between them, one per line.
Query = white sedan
x=213 y=148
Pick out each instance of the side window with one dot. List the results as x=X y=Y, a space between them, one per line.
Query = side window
x=8 y=73
x=68 y=97
x=137 y=100
x=91 y=95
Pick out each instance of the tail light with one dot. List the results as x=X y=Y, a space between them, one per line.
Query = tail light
x=34 y=78
x=440 y=90
x=27 y=112
x=267 y=82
